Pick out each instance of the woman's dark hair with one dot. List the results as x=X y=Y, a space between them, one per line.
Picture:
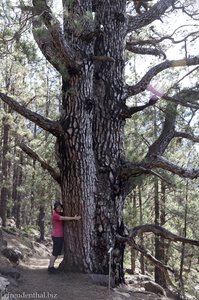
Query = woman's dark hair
x=57 y=203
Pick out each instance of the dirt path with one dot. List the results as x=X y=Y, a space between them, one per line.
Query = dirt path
x=36 y=283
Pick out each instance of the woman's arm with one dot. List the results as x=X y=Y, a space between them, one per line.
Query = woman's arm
x=65 y=218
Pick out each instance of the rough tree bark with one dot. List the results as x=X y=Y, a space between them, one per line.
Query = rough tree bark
x=91 y=148
x=94 y=177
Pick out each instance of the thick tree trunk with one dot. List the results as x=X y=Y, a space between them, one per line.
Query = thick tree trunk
x=90 y=153
x=89 y=189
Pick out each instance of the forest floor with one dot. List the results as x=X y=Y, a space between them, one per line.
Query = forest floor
x=35 y=282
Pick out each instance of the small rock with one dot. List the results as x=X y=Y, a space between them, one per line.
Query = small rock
x=10 y=271
x=12 y=255
x=154 y=288
x=3 y=285
x=10 y=223
x=125 y=294
x=13 y=282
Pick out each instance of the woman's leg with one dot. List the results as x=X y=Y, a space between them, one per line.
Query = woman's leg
x=52 y=261
x=57 y=248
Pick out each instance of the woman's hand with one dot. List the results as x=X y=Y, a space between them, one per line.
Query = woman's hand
x=76 y=217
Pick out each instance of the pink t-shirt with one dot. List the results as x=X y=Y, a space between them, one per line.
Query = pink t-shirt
x=58 y=230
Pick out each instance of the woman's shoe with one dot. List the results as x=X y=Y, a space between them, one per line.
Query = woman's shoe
x=52 y=270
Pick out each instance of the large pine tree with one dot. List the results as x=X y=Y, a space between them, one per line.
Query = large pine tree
x=87 y=48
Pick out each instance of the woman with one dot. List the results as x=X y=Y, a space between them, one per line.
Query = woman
x=58 y=234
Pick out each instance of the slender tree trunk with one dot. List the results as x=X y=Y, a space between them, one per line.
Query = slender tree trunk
x=41 y=222
x=142 y=261
x=132 y=251
x=159 y=241
x=4 y=174
x=32 y=193
x=17 y=185
x=159 y=220
x=183 y=244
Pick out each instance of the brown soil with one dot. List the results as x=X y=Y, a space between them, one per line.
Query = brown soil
x=35 y=282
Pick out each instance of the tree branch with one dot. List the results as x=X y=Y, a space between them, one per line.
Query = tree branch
x=146 y=51
x=160 y=231
x=156 y=11
x=135 y=170
x=186 y=136
x=127 y=112
x=130 y=170
x=143 y=83
x=144 y=251
x=48 y=49
x=45 y=123
x=163 y=163
x=167 y=134
x=153 y=158
x=157 y=230
x=52 y=42
x=181 y=101
x=155 y=41
x=43 y=163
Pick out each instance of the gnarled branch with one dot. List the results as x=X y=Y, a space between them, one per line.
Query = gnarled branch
x=157 y=230
x=45 y=123
x=143 y=83
x=163 y=163
x=167 y=134
x=144 y=251
x=51 y=40
x=134 y=170
x=127 y=112
x=47 y=47
x=160 y=231
x=156 y=11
